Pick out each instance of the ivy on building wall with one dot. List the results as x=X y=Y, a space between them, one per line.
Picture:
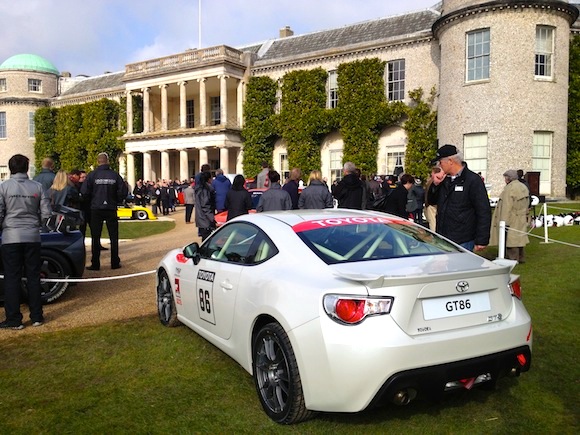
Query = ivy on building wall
x=361 y=115
x=573 y=154
x=363 y=111
x=74 y=135
x=45 y=134
x=258 y=133
x=302 y=117
x=421 y=129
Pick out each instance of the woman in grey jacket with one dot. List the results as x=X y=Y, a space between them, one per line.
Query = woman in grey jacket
x=316 y=195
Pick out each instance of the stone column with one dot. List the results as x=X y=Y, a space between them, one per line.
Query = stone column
x=203 y=156
x=163 y=107
x=146 y=111
x=147 y=167
x=129 y=112
x=165 y=165
x=183 y=165
x=182 y=105
x=224 y=99
x=240 y=102
x=225 y=159
x=202 y=103
x=131 y=170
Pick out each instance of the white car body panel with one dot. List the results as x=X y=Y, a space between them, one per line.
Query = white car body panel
x=342 y=367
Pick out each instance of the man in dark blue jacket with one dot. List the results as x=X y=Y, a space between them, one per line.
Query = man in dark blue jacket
x=104 y=189
x=463 y=210
x=221 y=185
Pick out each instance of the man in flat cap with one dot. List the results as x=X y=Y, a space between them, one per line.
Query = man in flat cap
x=463 y=210
x=512 y=208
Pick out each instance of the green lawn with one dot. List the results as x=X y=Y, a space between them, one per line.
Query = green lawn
x=139 y=377
x=136 y=229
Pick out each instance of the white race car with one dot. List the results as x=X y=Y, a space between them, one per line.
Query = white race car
x=336 y=310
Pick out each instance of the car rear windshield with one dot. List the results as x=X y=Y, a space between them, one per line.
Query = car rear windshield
x=347 y=242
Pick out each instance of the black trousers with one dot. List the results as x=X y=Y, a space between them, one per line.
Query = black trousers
x=19 y=257
x=188 y=212
x=110 y=218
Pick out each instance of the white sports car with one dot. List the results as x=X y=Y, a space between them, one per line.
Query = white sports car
x=336 y=310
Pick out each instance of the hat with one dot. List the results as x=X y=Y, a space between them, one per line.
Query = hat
x=512 y=174
x=445 y=151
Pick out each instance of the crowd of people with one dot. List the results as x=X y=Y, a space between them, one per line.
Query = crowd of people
x=453 y=200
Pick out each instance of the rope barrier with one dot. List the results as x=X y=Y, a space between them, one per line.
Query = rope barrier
x=540 y=237
x=106 y=278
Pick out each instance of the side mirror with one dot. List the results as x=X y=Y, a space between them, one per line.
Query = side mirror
x=192 y=251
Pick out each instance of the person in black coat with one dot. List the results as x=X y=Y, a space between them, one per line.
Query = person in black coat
x=397 y=201
x=349 y=191
x=238 y=199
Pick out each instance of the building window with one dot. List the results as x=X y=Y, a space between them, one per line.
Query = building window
x=3 y=85
x=215 y=110
x=396 y=80
x=395 y=162
x=542 y=159
x=478 y=55
x=189 y=114
x=475 y=152
x=332 y=89
x=278 y=105
x=335 y=166
x=284 y=168
x=4 y=172
x=2 y=125
x=544 y=51
x=34 y=85
x=31 y=125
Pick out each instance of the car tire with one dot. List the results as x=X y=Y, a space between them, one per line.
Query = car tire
x=276 y=376
x=140 y=214
x=53 y=266
x=165 y=301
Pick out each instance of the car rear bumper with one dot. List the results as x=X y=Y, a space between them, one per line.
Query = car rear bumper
x=435 y=380
x=345 y=368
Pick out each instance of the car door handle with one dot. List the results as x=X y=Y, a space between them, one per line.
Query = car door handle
x=226 y=285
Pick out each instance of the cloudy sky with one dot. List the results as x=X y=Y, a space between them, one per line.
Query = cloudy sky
x=94 y=36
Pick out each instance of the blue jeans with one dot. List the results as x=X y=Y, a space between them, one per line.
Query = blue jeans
x=470 y=246
x=19 y=257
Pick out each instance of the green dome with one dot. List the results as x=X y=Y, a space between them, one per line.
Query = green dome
x=28 y=62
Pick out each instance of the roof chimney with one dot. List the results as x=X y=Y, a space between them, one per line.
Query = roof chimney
x=285 y=32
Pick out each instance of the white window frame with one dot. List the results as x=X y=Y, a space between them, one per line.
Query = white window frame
x=31 y=125
x=4 y=172
x=190 y=113
x=278 y=105
x=215 y=106
x=395 y=160
x=542 y=159
x=3 y=129
x=477 y=55
x=336 y=165
x=544 y=55
x=3 y=87
x=284 y=166
x=34 y=85
x=475 y=152
x=395 y=80
x=332 y=100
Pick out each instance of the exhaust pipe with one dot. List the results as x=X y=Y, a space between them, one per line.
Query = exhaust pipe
x=404 y=397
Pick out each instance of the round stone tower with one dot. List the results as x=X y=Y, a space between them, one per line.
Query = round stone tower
x=27 y=82
x=503 y=91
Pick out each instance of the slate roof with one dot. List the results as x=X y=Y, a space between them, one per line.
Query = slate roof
x=97 y=83
x=339 y=38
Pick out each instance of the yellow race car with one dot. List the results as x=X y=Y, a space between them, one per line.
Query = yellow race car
x=135 y=212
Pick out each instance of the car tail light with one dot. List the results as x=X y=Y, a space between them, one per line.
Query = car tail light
x=351 y=310
x=516 y=288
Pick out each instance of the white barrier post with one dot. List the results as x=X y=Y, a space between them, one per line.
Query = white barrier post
x=501 y=240
x=545 y=223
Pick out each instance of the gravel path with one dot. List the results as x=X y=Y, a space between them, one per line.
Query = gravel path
x=93 y=303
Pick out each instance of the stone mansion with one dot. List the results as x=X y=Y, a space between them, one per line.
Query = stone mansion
x=500 y=70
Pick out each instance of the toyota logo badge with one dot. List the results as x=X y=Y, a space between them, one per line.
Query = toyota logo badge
x=462 y=286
